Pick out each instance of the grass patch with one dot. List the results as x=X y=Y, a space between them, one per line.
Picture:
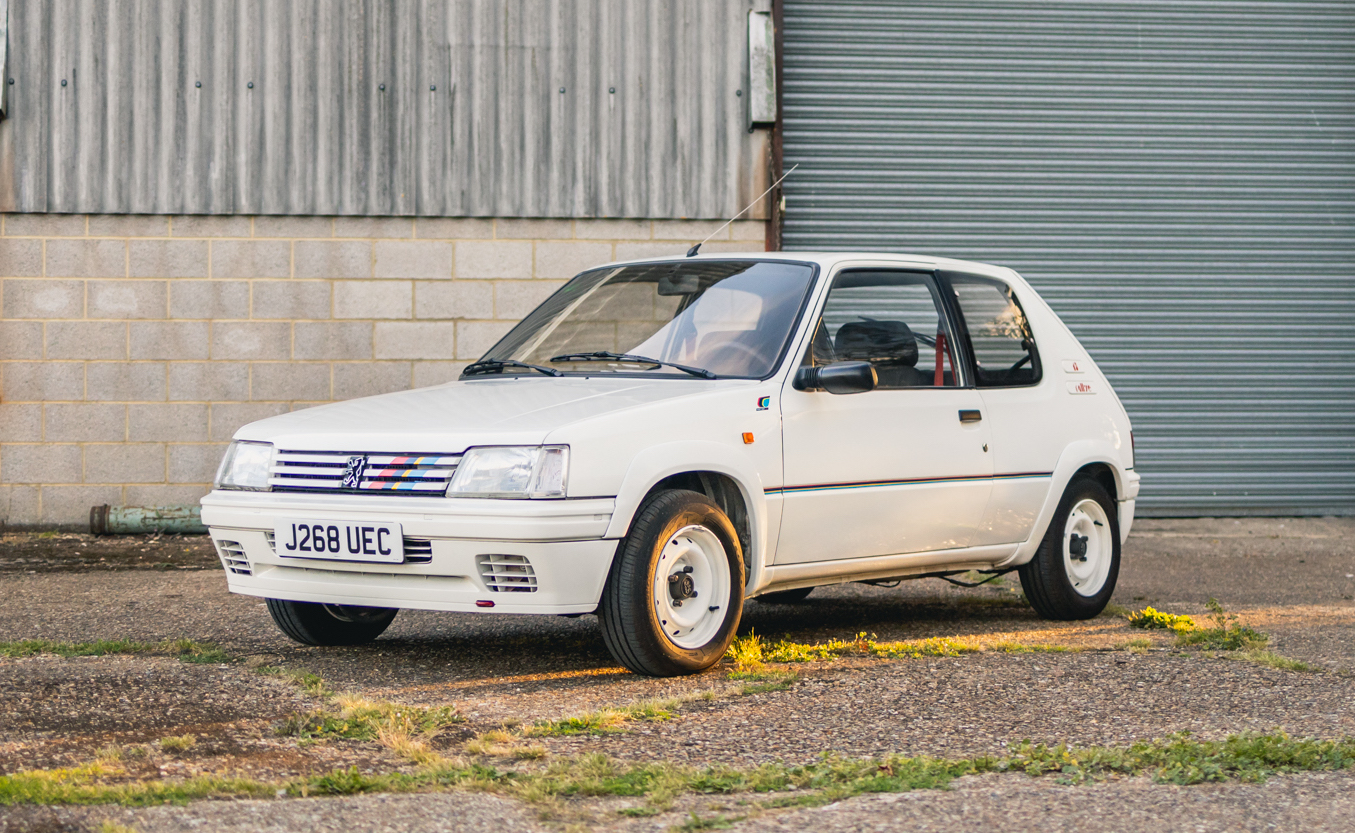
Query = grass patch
x=311 y=684
x=187 y=650
x=190 y=651
x=1138 y=645
x=177 y=743
x=604 y=721
x=1226 y=633
x=1152 y=619
x=761 y=683
x=405 y=730
x=1179 y=759
x=1271 y=659
x=717 y=822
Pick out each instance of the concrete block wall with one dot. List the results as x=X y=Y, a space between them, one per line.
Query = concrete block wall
x=132 y=347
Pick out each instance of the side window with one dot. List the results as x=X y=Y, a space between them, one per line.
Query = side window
x=892 y=320
x=1004 y=347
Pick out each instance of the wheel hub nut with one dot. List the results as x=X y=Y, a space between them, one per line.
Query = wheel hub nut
x=1077 y=547
x=681 y=586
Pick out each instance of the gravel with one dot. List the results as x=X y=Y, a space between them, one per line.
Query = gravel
x=1285 y=576
x=973 y=705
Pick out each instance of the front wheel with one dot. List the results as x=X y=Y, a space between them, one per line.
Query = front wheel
x=323 y=624
x=675 y=591
x=1073 y=573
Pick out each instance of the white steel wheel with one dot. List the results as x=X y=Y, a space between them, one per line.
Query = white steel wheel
x=1087 y=548
x=1073 y=573
x=674 y=594
x=691 y=586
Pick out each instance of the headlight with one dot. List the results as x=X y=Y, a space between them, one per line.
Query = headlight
x=512 y=471
x=245 y=466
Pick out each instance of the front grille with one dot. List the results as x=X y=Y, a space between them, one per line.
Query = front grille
x=233 y=557
x=417 y=550
x=507 y=573
x=397 y=474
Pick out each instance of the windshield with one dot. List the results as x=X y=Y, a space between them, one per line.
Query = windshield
x=730 y=318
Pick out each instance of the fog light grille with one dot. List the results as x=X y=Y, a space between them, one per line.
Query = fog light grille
x=507 y=573
x=233 y=557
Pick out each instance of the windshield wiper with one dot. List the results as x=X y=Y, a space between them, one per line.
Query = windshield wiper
x=491 y=365
x=603 y=355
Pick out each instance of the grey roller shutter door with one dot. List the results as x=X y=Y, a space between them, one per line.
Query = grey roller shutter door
x=1177 y=179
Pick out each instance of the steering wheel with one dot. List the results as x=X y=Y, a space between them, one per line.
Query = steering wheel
x=1017 y=366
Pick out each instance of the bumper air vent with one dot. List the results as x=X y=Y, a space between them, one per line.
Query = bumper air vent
x=507 y=573
x=418 y=551
x=325 y=472
x=233 y=558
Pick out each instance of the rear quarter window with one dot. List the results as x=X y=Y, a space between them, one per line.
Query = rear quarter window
x=1000 y=338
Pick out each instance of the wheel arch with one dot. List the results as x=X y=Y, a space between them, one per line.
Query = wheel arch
x=706 y=468
x=1094 y=458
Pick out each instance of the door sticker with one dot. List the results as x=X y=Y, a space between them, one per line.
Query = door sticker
x=764 y=403
x=1081 y=387
x=1074 y=366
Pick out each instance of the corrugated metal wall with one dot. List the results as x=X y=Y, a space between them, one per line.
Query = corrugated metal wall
x=329 y=107
x=1177 y=178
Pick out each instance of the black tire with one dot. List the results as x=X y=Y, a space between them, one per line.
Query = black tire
x=630 y=626
x=321 y=624
x=786 y=597
x=1045 y=579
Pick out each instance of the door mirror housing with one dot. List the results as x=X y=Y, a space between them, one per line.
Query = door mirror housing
x=838 y=377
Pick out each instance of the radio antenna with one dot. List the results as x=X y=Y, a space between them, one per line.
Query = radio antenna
x=693 y=250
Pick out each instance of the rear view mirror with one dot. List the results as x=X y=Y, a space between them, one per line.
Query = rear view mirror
x=838 y=377
x=686 y=283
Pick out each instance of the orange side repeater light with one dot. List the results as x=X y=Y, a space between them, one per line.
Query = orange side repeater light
x=747 y=437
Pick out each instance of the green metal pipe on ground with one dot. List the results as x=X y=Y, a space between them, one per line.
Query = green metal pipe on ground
x=142 y=520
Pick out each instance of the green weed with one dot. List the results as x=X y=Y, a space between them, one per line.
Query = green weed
x=1226 y=633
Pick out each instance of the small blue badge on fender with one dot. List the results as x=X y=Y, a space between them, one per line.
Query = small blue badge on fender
x=764 y=403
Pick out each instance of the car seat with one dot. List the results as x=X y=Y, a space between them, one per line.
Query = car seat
x=889 y=345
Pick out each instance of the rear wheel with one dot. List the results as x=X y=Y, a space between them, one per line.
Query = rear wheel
x=786 y=597
x=324 y=624
x=1073 y=573
x=675 y=592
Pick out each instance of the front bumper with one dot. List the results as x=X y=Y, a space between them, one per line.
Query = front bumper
x=557 y=545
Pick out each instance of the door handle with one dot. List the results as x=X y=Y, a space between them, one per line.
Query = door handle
x=970 y=416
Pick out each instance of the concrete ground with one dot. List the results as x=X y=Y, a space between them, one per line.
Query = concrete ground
x=1291 y=578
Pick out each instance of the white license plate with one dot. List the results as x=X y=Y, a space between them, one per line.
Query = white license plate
x=339 y=540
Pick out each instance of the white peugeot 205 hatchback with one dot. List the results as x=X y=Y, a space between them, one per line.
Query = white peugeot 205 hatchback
x=662 y=440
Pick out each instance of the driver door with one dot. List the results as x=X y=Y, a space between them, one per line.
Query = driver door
x=899 y=469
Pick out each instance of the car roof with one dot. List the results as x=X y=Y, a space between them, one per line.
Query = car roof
x=830 y=260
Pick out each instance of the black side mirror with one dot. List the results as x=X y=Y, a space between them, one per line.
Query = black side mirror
x=838 y=377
